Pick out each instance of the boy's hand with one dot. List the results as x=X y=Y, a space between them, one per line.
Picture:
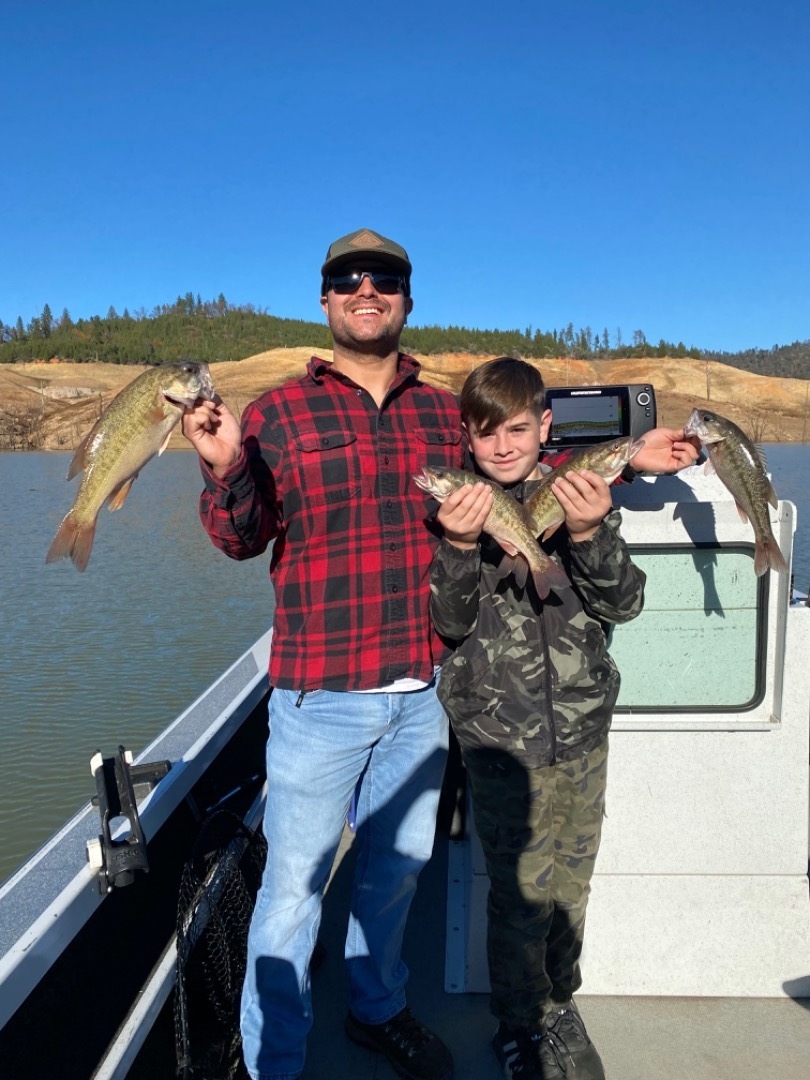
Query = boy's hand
x=666 y=450
x=585 y=498
x=463 y=513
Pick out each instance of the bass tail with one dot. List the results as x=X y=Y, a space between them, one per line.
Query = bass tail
x=545 y=578
x=550 y=577
x=767 y=556
x=72 y=541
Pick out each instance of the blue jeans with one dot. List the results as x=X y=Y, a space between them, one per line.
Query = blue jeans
x=316 y=753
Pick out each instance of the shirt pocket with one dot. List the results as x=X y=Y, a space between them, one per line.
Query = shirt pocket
x=327 y=465
x=436 y=446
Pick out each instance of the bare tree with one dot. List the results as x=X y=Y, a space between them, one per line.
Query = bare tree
x=757 y=425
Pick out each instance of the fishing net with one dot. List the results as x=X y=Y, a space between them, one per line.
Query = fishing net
x=217 y=894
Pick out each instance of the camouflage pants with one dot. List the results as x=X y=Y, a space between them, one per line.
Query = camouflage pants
x=540 y=830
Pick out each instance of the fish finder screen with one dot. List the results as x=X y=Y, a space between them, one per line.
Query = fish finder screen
x=585 y=417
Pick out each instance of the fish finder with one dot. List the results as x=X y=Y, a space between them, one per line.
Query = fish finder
x=583 y=415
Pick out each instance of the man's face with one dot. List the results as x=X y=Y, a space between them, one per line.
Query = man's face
x=509 y=452
x=366 y=318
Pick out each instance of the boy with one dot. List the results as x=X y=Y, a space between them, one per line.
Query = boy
x=530 y=692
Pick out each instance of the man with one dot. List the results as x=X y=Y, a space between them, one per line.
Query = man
x=323 y=467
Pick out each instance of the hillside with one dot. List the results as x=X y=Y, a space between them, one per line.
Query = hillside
x=52 y=405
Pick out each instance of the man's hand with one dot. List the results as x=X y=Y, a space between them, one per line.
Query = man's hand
x=585 y=498
x=214 y=432
x=463 y=513
x=666 y=450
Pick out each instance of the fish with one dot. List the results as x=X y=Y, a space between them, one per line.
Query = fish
x=506 y=523
x=606 y=459
x=740 y=465
x=135 y=426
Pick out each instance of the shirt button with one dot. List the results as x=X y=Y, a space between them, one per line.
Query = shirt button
x=393 y=547
x=394 y=589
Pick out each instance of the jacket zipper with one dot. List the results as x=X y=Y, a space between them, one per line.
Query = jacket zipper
x=548 y=687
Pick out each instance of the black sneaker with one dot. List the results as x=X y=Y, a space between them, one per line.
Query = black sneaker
x=412 y=1050
x=527 y=1055
x=564 y=1028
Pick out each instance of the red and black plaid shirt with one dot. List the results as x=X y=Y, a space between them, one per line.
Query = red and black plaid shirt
x=329 y=477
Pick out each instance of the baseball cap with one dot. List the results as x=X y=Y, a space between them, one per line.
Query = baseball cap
x=365 y=242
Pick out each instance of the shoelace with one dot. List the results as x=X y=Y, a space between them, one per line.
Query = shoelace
x=407 y=1033
x=559 y=1049
x=555 y=1035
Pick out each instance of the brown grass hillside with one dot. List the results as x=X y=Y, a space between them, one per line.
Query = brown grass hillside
x=59 y=402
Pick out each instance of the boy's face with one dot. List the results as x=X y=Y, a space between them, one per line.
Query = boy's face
x=509 y=452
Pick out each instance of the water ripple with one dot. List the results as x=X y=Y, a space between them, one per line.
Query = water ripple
x=88 y=661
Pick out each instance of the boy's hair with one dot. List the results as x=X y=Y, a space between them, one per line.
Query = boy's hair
x=498 y=390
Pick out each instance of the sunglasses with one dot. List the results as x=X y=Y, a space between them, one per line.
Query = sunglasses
x=383 y=281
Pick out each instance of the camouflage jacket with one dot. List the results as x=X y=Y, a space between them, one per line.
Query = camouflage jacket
x=530 y=676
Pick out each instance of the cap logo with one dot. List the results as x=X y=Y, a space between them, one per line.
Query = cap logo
x=366 y=240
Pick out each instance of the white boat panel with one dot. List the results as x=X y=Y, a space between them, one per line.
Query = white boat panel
x=701 y=886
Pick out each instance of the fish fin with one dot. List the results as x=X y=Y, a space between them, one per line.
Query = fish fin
x=550 y=577
x=514 y=565
x=119 y=495
x=709 y=468
x=165 y=444
x=767 y=556
x=81 y=457
x=504 y=567
x=742 y=513
x=520 y=572
x=771 y=494
x=72 y=541
x=541 y=583
x=551 y=530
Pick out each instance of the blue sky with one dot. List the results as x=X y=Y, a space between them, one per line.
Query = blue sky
x=626 y=165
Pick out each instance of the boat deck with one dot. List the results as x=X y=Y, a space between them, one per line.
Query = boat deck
x=639 y=1038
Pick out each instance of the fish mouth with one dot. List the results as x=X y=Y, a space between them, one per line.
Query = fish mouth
x=422 y=481
x=634 y=448
x=184 y=402
x=691 y=425
x=206 y=391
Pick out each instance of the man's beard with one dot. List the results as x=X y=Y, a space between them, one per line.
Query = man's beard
x=378 y=345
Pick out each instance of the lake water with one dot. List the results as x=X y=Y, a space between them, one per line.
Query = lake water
x=90 y=661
